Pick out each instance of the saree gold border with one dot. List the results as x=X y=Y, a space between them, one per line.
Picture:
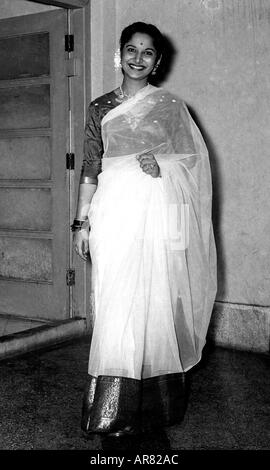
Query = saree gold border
x=126 y=405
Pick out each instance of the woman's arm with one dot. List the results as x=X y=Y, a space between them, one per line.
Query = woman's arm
x=81 y=232
x=93 y=149
x=86 y=192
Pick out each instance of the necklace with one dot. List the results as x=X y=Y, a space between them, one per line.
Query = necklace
x=124 y=95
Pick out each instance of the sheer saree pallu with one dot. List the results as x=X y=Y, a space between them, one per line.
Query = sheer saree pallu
x=153 y=265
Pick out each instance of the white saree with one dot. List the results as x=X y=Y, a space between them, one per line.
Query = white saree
x=151 y=242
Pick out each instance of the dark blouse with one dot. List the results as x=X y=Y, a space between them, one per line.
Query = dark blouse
x=93 y=145
x=176 y=126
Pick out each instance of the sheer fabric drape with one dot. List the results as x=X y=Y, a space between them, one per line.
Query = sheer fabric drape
x=151 y=242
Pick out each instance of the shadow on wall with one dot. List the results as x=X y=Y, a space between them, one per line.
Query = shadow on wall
x=166 y=63
x=217 y=203
x=164 y=70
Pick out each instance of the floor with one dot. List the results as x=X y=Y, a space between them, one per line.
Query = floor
x=41 y=393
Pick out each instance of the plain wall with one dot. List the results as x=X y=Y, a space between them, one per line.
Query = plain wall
x=221 y=69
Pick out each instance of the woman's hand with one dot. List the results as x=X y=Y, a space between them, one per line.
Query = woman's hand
x=149 y=164
x=81 y=243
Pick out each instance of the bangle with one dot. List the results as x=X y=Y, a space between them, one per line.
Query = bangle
x=88 y=180
x=78 y=224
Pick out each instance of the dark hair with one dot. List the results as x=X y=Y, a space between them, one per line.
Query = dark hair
x=145 y=28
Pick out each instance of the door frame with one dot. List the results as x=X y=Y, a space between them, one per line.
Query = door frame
x=80 y=26
x=64 y=3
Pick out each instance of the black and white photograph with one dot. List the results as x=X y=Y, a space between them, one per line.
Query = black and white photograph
x=134 y=231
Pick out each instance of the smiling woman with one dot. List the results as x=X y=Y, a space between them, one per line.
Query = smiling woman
x=145 y=193
x=141 y=53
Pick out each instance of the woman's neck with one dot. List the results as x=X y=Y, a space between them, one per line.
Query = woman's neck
x=131 y=87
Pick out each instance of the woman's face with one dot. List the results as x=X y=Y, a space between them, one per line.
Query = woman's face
x=138 y=56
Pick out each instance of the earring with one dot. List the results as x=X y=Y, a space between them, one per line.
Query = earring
x=117 y=59
x=154 y=71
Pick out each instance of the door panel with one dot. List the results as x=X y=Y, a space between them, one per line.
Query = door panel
x=27 y=106
x=25 y=56
x=15 y=166
x=34 y=187
x=27 y=260
x=25 y=208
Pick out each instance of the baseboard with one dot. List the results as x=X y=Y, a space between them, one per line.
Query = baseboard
x=40 y=337
x=243 y=327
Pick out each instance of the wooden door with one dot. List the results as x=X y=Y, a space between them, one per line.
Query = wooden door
x=34 y=182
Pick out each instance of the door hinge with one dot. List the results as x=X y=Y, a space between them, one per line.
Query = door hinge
x=70 y=277
x=69 y=42
x=70 y=161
